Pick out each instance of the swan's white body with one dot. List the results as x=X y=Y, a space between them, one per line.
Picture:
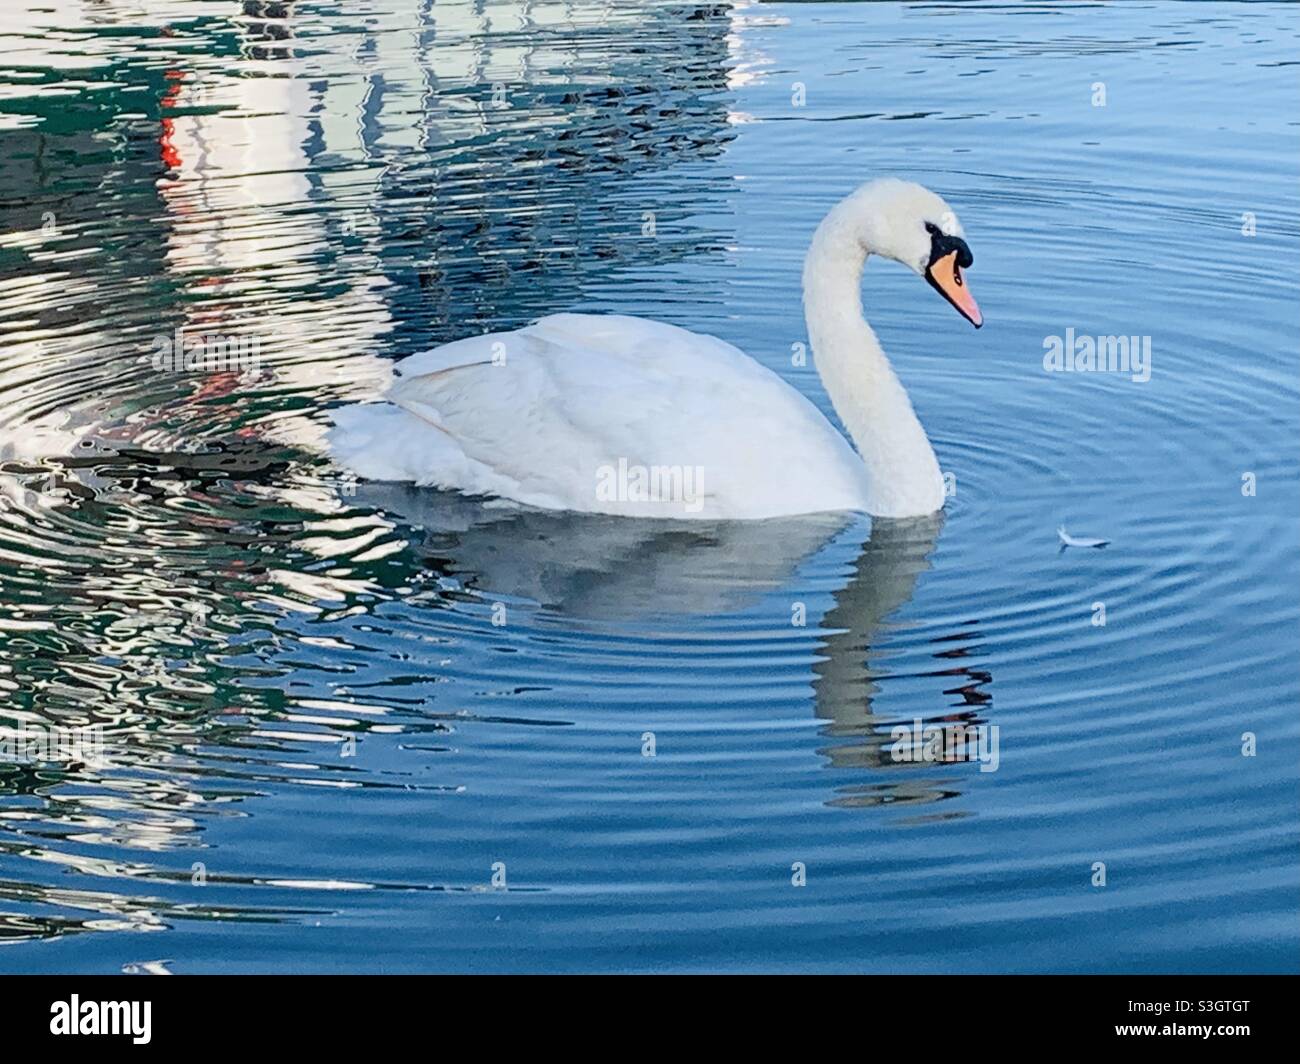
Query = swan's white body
x=579 y=397
x=622 y=415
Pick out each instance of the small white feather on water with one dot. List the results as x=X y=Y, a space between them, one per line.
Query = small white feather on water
x=1068 y=540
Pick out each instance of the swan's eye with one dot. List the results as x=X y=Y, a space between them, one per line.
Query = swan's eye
x=931 y=228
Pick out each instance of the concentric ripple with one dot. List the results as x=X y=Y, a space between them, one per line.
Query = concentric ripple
x=352 y=726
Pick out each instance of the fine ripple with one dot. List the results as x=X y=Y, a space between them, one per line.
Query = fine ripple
x=352 y=726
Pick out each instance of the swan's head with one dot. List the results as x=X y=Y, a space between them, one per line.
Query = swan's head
x=907 y=222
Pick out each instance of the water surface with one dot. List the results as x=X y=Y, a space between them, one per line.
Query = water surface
x=366 y=728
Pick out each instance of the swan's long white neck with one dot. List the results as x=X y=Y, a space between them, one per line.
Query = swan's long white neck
x=903 y=473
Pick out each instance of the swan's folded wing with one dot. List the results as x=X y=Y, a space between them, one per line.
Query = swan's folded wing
x=548 y=406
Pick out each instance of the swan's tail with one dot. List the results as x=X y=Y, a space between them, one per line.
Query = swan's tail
x=380 y=441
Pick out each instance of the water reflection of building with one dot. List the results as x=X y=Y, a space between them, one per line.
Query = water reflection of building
x=343 y=189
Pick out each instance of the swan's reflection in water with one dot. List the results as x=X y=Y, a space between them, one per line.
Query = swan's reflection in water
x=189 y=668
x=588 y=567
x=599 y=567
x=883 y=581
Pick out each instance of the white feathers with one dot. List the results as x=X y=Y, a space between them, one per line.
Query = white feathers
x=604 y=414
x=1068 y=540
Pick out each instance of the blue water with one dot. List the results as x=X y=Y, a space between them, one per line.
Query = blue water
x=365 y=728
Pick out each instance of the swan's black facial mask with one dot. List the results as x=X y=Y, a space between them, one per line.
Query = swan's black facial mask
x=949 y=255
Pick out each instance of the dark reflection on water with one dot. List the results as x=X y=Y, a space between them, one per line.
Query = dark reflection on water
x=332 y=709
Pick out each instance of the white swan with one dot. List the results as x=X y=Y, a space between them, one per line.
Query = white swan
x=619 y=415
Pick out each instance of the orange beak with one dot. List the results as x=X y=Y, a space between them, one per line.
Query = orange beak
x=945 y=276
